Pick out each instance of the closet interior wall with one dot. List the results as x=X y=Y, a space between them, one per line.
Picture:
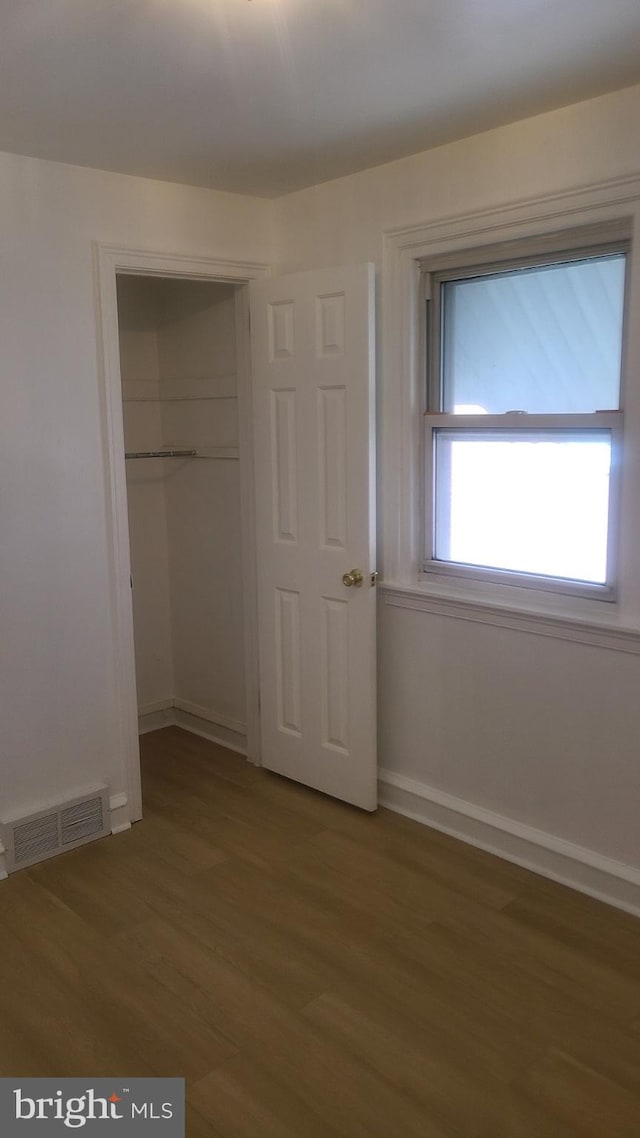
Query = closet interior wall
x=179 y=390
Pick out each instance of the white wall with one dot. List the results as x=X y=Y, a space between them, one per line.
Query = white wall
x=342 y=222
x=542 y=732
x=57 y=659
x=197 y=352
x=538 y=729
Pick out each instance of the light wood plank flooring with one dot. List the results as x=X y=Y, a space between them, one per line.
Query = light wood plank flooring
x=317 y=972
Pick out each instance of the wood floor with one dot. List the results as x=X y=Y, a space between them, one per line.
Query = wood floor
x=315 y=972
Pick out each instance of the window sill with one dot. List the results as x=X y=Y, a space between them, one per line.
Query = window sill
x=580 y=622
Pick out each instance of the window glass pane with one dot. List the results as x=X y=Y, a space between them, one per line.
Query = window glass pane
x=524 y=502
x=546 y=339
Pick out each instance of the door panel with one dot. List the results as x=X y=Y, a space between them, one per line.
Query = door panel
x=313 y=392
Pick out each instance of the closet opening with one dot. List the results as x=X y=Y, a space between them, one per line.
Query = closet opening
x=179 y=367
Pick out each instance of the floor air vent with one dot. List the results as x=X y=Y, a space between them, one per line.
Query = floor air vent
x=63 y=827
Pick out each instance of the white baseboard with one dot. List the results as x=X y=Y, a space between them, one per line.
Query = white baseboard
x=202 y=721
x=119 y=811
x=157 y=705
x=163 y=713
x=155 y=720
x=212 y=730
x=583 y=869
x=211 y=715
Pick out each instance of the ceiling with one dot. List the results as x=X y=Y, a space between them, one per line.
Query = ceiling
x=268 y=96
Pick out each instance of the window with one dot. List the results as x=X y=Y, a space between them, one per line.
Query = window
x=523 y=414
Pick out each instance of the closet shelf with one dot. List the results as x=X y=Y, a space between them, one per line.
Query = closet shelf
x=174 y=398
x=161 y=453
x=191 y=452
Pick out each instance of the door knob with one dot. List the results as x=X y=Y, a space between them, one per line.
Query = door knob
x=352 y=578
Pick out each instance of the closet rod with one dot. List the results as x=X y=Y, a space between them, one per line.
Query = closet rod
x=161 y=454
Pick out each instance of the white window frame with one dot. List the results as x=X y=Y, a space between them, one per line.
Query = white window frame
x=569 y=246
x=402 y=578
x=539 y=426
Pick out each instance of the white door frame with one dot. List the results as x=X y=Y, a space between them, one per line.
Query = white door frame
x=109 y=261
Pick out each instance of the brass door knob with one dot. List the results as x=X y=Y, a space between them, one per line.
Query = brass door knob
x=352 y=578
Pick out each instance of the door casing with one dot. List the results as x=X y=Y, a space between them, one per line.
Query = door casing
x=109 y=261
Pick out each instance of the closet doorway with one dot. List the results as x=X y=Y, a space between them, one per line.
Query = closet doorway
x=178 y=414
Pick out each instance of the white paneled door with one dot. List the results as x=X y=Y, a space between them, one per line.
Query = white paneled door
x=314 y=438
